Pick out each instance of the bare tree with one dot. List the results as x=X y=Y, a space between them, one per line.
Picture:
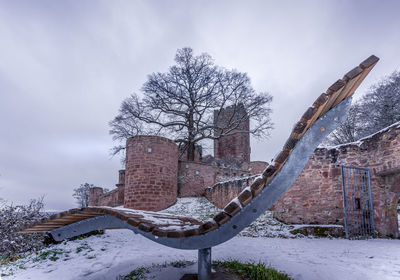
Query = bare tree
x=380 y=107
x=180 y=104
x=348 y=131
x=81 y=194
x=377 y=109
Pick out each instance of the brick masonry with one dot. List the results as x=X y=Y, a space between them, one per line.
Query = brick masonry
x=151 y=174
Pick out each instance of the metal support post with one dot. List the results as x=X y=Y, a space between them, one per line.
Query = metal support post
x=204 y=264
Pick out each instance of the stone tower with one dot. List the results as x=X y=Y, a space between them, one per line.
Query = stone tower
x=151 y=174
x=236 y=145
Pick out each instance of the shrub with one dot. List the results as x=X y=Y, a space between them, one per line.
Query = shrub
x=14 y=217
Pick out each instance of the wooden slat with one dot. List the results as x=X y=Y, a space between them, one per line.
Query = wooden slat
x=159 y=232
x=232 y=208
x=348 y=89
x=333 y=92
x=175 y=234
x=191 y=232
x=207 y=226
x=221 y=218
x=245 y=197
x=363 y=75
x=257 y=186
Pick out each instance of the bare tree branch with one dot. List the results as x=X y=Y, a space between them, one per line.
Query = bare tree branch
x=180 y=104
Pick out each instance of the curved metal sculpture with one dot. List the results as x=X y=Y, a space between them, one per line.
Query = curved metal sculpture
x=328 y=111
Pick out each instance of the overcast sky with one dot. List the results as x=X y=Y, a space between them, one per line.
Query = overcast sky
x=65 y=67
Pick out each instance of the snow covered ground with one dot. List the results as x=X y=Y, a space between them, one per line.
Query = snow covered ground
x=200 y=208
x=118 y=252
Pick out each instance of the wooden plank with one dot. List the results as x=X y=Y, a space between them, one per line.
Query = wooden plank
x=245 y=197
x=133 y=221
x=191 y=232
x=207 y=226
x=321 y=100
x=269 y=171
x=333 y=92
x=309 y=113
x=348 y=89
x=362 y=77
x=257 y=186
x=146 y=227
x=232 y=208
x=370 y=61
x=159 y=232
x=290 y=143
x=282 y=157
x=175 y=234
x=31 y=231
x=221 y=218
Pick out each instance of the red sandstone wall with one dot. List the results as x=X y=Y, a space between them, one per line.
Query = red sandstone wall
x=316 y=196
x=94 y=195
x=255 y=167
x=222 y=193
x=235 y=145
x=151 y=173
x=194 y=177
x=112 y=198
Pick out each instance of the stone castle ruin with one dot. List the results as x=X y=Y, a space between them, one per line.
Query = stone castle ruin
x=156 y=174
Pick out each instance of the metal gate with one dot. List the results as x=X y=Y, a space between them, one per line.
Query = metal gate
x=357 y=202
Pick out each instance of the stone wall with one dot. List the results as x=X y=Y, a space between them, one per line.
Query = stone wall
x=112 y=198
x=316 y=196
x=222 y=193
x=195 y=177
x=115 y=197
x=236 y=145
x=255 y=167
x=151 y=174
x=94 y=195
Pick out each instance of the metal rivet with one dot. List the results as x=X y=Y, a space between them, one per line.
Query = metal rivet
x=322 y=129
x=234 y=226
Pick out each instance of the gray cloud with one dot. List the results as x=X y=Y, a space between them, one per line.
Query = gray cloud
x=65 y=66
